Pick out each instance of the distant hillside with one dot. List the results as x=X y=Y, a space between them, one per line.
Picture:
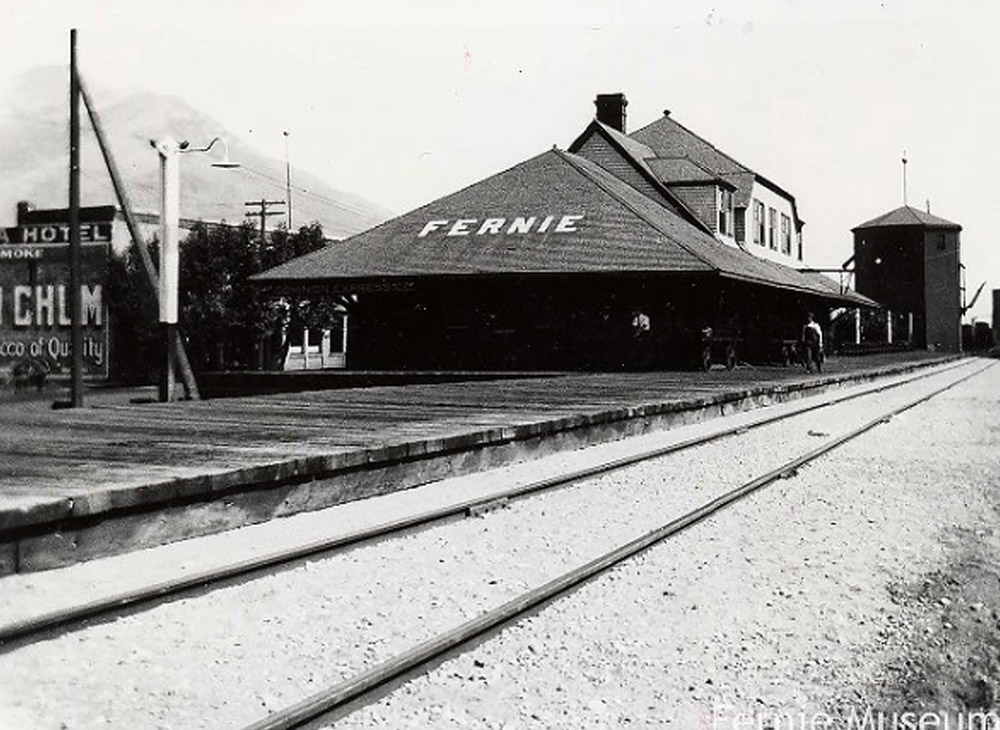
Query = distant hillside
x=34 y=159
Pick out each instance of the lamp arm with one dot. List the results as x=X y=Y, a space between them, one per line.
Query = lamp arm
x=206 y=148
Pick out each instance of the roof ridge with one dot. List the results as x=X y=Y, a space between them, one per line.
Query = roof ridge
x=632 y=208
x=710 y=176
x=688 y=158
x=453 y=193
x=615 y=133
x=394 y=218
x=698 y=137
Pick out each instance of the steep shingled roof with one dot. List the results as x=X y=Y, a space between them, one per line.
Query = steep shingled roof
x=728 y=262
x=680 y=170
x=638 y=155
x=609 y=237
x=619 y=230
x=669 y=138
x=636 y=149
x=907 y=216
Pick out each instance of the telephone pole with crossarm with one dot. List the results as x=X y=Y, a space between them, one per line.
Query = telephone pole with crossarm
x=262 y=211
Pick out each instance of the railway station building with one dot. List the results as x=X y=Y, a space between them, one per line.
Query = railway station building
x=624 y=251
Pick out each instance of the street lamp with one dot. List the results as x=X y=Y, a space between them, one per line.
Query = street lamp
x=224 y=163
x=168 y=149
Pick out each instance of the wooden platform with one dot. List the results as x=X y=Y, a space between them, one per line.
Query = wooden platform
x=116 y=475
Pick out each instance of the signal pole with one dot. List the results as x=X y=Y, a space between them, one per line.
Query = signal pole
x=262 y=206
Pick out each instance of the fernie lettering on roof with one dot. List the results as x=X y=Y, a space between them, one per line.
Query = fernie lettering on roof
x=497 y=226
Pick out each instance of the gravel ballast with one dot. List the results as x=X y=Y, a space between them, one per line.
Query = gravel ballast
x=781 y=612
x=229 y=657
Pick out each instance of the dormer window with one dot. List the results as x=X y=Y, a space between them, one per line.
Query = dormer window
x=786 y=235
x=772 y=229
x=725 y=204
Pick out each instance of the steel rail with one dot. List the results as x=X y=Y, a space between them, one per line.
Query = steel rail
x=24 y=630
x=354 y=689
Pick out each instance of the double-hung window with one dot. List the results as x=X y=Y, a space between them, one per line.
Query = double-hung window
x=725 y=203
x=758 y=223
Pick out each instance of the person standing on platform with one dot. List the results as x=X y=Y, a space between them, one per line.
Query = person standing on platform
x=640 y=333
x=812 y=343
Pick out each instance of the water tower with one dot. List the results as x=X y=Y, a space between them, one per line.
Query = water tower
x=908 y=261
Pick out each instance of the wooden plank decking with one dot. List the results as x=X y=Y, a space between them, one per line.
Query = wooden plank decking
x=54 y=461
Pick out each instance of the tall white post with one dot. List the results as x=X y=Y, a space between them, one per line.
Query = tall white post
x=857 y=326
x=343 y=339
x=168 y=150
x=888 y=325
x=324 y=349
x=909 y=327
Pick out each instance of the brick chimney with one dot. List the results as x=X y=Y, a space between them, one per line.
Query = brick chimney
x=23 y=207
x=611 y=110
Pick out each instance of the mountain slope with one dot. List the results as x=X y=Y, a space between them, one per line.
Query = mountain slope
x=34 y=160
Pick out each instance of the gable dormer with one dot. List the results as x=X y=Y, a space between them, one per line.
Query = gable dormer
x=765 y=216
x=707 y=195
x=626 y=159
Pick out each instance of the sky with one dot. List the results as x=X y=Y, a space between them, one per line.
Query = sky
x=403 y=102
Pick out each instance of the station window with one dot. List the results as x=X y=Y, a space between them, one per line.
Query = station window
x=798 y=241
x=758 y=222
x=786 y=235
x=941 y=242
x=772 y=229
x=725 y=202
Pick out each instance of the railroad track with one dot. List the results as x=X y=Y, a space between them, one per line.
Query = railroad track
x=355 y=691
x=20 y=633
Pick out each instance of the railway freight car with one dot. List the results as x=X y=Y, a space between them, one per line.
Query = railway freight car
x=641 y=251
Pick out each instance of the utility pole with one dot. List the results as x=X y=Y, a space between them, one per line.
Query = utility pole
x=152 y=275
x=904 y=177
x=262 y=211
x=262 y=206
x=76 y=274
x=288 y=185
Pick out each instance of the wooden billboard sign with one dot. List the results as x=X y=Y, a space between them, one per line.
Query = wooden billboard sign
x=35 y=307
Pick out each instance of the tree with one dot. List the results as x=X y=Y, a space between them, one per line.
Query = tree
x=224 y=318
x=215 y=300
x=134 y=315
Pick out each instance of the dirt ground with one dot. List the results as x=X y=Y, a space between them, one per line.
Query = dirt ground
x=946 y=654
